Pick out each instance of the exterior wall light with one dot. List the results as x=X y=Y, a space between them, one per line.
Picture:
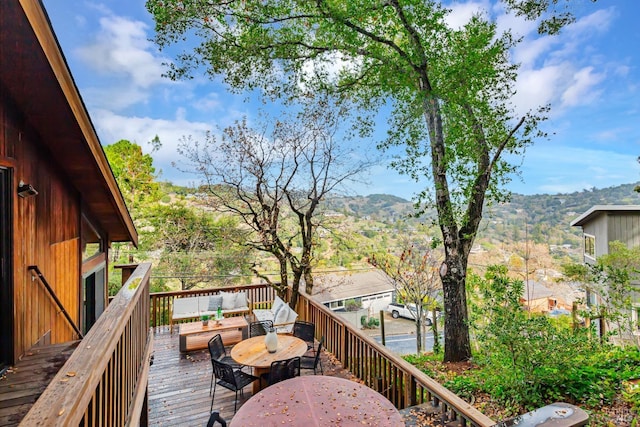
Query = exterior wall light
x=26 y=190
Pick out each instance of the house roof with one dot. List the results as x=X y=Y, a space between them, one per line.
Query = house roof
x=35 y=75
x=336 y=287
x=535 y=291
x=602 y=209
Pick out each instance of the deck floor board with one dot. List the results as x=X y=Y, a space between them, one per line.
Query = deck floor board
x=21 y=385
x=178 y=388
x=179 y=385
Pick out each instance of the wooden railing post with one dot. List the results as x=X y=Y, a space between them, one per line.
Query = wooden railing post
x=127 y=271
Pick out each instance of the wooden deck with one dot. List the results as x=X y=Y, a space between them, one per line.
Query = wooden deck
x=21 y=385
x=179 y=385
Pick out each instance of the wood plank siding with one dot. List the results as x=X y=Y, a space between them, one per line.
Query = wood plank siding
x=46 y=234
x=47 y=140
x=624 y=227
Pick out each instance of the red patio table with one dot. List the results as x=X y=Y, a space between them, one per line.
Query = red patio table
x=316 y=400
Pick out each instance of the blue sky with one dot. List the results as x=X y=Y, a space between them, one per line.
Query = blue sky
x=590 y=75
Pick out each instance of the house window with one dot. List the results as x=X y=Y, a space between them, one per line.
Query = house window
x=590 y=246
x=336 y=305
x=91 y=240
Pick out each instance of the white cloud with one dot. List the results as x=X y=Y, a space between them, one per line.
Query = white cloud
x=461 y=13
x=112 y=127
x=596 y=22
x=121 y=49
x=529 y=51
x=582 y=89
x=537 y=87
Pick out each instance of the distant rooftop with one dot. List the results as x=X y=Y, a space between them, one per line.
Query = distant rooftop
x=535 y=291
x=337 y=287
x=599 y=209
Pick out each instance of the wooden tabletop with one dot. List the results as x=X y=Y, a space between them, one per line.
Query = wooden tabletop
x=214 y=325
x=317 y=400
x=253 y=352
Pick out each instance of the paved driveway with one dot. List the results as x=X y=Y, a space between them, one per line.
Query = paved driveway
x=400 y=335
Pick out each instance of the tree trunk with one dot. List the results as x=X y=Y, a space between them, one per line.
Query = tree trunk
x=295 y=288
x=418 y=320
x=434 y=328
x=453 y=273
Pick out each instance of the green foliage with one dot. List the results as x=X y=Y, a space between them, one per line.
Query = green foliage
x=529 y=360
x=134 y=173
x=610 y=278
x=449 y=89
x=369 y=322
x=352 y=305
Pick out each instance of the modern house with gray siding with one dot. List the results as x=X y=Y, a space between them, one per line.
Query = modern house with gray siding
x=603 y=224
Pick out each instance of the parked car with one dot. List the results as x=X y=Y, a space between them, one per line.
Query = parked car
x=407 y=311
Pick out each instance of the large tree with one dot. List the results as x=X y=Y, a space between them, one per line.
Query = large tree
x=448 y=91
x=274 y=178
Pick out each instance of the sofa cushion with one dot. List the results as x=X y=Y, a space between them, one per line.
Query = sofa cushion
x=292 y=317
x=228 y=300
x=241 y=299
x=215 y=301
x=282 y=315
x=185 y=308
x=277 y=305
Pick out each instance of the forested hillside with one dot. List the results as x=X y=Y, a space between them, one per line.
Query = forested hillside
x=547 y=217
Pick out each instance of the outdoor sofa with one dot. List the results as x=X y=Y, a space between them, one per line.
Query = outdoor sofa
x=232 y=303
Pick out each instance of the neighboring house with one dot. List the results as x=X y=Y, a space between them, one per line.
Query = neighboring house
x=60 y=206
x=373 y=289
x=537 y=298
x=603 y=224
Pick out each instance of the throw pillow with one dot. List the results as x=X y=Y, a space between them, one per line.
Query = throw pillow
x=228 y=300
x=282 y=315
x=241 y=299
x=215 y=301
x=292 y=317
x=277 y=305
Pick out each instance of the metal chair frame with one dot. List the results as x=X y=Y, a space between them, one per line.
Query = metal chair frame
x=234 y=380
x=306 y=331
x=308 y=362
x=281 y=370
x=259 y=328
x=218 y=352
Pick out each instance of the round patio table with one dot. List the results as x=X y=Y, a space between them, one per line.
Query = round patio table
x=253 y=352
x=317 y=400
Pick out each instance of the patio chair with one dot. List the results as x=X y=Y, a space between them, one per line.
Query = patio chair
x=259 y=328
x=281 y=370
x=308 y=362
x=215 y=416
x=218 y=352
x=234 y=380
x=305 y=331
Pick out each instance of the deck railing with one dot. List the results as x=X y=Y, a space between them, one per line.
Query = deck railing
x=380 y=369
x=399 y=381
x=104 y=382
